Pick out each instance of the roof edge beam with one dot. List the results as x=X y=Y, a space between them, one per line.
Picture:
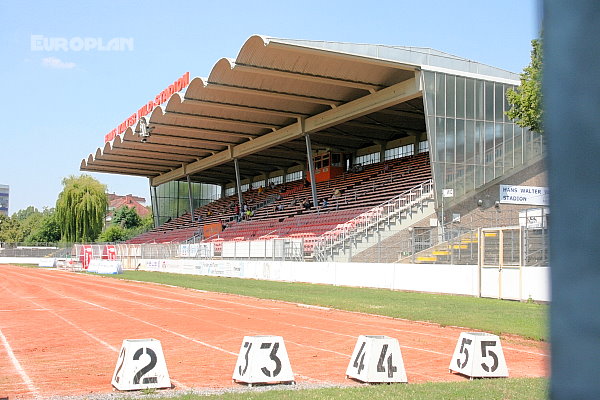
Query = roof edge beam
x=384 y=98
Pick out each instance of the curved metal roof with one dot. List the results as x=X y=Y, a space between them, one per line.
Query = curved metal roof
x=258 y=107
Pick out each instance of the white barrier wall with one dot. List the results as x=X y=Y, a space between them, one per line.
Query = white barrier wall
x=433 y=278
x=451 y=279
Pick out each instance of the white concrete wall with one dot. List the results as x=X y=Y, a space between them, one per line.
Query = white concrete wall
x=450 y=279
x=433 y=278
x=21 y=260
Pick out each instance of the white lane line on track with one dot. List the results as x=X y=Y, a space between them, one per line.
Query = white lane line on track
x=315 y=317
x=525 y=351
x=241 y=315
x=318 y=348
x=102 y=342
x=18 y=367
x=147 y=323
x=329 y=319
x=177 y=333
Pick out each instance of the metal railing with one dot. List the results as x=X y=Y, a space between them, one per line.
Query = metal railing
x=525 y=239
x=371 y=220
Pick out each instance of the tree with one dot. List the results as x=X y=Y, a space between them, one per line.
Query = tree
x=48 y=229
x=81 y=208
x=10 y=230
x=127 y=217
x=114 y=233
x=526 y=100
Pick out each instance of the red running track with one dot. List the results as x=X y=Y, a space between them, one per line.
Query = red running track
x=61 y=332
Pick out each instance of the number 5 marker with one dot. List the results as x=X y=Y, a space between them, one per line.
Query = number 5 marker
x=479 y=355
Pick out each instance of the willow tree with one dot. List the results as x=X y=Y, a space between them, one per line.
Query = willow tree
x=81 y=208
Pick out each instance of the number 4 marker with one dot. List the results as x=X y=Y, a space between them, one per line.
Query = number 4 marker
x=376 y=359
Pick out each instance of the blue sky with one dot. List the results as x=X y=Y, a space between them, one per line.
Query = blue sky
x=58 y=105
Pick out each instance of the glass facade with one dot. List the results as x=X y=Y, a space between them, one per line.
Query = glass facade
x=471 y=140
x=172 y=199
x=276 y=180
x=368 y=159
x=399 y=152
x=294 y=176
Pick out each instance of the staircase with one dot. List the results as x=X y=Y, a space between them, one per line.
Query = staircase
x=376 y=224
x=461 y=247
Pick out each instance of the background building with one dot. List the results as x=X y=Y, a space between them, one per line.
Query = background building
x=4 y=199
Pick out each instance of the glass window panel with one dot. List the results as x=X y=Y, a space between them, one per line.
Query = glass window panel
x=538 y=145
x=450 y=95
x=431 y=127
x=479 y=140
x=499 y=103
x=460 y=97
x=479 y=176
x=526 y=145
x=450 y=176
x=459 y=180
x=440 y=133
x=470 y=142
x=429 y=92
x=183 y=189
x=518 y=145
x=184 y=206
x=489 y=142
x=479 y=99
x=499 y=149
x=506 y=104
x=489 y=101
x=508 y=146
x=470 y=98
x=440 y=98
x=489 y=151
x=469 y=178
x=450 y=140
x=460 y=141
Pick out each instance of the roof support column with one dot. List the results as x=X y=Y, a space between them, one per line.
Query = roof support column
x=417 y=138
x=154 y=203
x=311 y=166
x=190 y=197
x=238 y=185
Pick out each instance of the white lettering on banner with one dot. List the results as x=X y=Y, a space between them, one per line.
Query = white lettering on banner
x=530 y=195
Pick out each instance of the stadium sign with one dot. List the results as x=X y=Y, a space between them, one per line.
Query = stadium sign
x=147 y=108
x=530 y=195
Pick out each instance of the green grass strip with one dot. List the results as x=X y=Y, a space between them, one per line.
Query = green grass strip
x=489 y=389
x=496 y=316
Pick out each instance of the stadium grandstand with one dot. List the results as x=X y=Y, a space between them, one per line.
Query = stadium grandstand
x=340 y=152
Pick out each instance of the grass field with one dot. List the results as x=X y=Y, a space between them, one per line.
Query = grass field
x=497 y=316
x=488 y=389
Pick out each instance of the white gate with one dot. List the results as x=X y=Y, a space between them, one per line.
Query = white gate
x=500 y=263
